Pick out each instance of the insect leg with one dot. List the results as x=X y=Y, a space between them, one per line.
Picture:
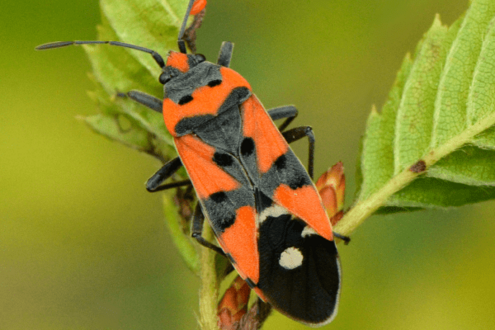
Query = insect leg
x=197 y=230
x=346 y=239
x=180 y=40
x=287 y=111
x=147 y=100
x=297 y=134
x=163 y=174
x=225 y=54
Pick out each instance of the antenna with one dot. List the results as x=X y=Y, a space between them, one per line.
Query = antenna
x=180 y=42
x=157 y=57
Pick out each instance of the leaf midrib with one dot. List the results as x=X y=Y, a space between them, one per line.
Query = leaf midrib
x=367 y=207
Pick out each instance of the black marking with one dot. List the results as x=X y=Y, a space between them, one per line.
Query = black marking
x=250 y=282
x=185 y=99
x=223 y=160
x=188 y=124
x=298 y=182
x=288 y=170
x=280 y=163
x=236 y=97
x=247 y=147
x=221 y=207
x=185 y=83
x=214 y=83
x=223 y=132
x=219 y=197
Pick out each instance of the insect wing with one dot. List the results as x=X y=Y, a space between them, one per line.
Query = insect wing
x=277 y=171
x=229 y=205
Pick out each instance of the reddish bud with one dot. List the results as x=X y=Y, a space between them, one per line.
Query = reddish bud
x=331 y=187
x=233 y=305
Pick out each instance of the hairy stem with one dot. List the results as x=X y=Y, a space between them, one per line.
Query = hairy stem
x=208 y=295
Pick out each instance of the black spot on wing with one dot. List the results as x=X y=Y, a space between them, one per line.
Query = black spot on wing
x=308 y=293
x=298 y=182
x=281 y=162
x=288 y=170
x=214 y=83
x=221 y=207
x=185 y=99
x=247 y=147
x=219 y=197
x=222 y=159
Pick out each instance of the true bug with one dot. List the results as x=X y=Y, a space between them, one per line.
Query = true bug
x=260 y=201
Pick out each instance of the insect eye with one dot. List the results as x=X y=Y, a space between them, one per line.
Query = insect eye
x=164 y=78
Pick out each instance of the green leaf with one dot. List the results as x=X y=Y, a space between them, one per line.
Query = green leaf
x=116 y=70
x=433 y=143
x=147 y=23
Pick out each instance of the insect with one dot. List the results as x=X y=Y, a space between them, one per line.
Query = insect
x=260 y=201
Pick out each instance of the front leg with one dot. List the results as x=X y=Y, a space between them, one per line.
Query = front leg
x=154 y=183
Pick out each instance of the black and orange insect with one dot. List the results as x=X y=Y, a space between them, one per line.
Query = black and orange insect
x=260 y=200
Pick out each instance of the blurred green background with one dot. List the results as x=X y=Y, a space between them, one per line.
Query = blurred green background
x=84 y=246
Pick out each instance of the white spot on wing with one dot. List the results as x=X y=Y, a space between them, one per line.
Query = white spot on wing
x=272 y=211
x=291 y=258
x=307 y=231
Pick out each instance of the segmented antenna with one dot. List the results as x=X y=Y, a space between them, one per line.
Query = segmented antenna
x=180 y=41
x=157 y=57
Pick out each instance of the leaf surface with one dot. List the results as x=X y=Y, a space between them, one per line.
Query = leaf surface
x=432 y=145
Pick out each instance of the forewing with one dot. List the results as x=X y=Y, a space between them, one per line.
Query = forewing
x=276 y=171
x=228 y=203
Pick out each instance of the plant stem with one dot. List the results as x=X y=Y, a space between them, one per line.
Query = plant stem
x=363 y=209
x=208 y=295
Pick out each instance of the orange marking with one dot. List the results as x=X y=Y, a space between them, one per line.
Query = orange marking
x=206 y=100
x=198 y=6
x=206 y=176
x=305 y=203
x=258 y=125
x=178 y=60
x=240 y=241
